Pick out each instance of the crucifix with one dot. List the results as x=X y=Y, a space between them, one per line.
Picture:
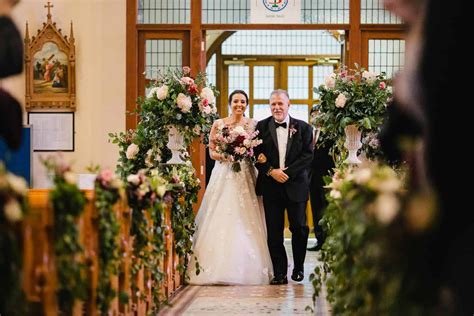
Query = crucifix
x=49 y=6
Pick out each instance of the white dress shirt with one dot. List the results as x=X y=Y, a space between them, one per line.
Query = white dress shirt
x=282 y=138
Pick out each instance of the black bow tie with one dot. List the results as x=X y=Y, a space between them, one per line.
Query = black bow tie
x=280 y=124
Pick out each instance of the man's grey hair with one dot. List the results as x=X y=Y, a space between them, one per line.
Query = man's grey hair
x=280 y=91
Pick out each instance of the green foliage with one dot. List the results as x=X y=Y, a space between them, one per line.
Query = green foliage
x=107 y=194
x=13 y=206
x=68 y=204
x=145 y=192
x=364 y=264
x=184 y=193
x=352 y=97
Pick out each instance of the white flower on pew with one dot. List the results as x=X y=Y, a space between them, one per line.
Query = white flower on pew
x=18 y=184
x=70 y=177
x=12 y=211
x=386 y=207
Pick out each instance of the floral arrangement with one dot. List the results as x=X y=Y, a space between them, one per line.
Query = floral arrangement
x=371 y=226
x=174 y=99
x=68 y=204
x=13 y=206
x=180 y=100
x=108 y=191
x=236 y=144
x=351 y=96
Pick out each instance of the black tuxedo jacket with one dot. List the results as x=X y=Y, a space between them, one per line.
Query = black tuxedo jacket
x=299 y=154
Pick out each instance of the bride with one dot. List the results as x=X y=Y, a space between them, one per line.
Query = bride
x=230 y=242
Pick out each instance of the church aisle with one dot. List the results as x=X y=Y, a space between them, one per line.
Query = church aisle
x=290 y=299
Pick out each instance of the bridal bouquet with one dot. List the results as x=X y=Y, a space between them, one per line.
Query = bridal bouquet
x=236 y=144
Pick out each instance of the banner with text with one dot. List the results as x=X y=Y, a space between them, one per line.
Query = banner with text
x=275 y=11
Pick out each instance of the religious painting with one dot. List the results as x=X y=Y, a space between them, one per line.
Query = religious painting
x=50 y=63
x=50 y=70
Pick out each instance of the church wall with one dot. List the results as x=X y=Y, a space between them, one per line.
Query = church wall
x=99 y=31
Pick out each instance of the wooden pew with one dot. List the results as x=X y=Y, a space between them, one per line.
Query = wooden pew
x=39 y=272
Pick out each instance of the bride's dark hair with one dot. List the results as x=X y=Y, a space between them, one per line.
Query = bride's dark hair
x=239 y=92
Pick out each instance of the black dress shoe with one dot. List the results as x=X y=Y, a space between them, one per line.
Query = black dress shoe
x=279 y=280
x=297 y=276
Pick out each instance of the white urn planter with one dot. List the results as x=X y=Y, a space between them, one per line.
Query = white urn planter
x=352 y=143
x=175 y=144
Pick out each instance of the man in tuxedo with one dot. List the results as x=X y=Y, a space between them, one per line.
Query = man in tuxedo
x=321 y=166
x=284 y=159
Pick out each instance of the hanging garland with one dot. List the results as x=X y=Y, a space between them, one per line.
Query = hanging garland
x=107 y=194
x=145 y=193
x=68 y=204
x=184 y=194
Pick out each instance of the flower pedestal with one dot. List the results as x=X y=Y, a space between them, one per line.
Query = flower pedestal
x=175 y=144
x=352 y=143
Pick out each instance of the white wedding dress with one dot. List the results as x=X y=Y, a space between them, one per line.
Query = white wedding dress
x=230 y=242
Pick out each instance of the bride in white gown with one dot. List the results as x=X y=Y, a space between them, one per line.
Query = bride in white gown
x=230 y=242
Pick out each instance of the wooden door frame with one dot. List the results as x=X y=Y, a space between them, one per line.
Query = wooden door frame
x=143 y=36
x=281 y=64
x=376 y=34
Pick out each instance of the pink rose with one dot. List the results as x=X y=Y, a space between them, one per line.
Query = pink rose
x=186 y=70
x=106 y=175
x=382 y=85
x=187 y=80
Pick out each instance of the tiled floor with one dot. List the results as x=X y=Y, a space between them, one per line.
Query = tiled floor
x=291 y=299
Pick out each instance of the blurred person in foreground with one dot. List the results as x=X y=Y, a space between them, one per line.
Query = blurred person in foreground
x=11 y=63
x=429 y=91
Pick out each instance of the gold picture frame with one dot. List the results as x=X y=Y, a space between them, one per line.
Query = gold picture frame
x=50 y=68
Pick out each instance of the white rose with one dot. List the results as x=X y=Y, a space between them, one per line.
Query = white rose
x=70 y=177
x=133 y=179
x=341 y=100
x=12 y=211
x=162 y=92
x=132 y=151
x=213 y=109
x=197 y=129
x=184 y=103
x=389 y=185
x=152 y=92
x=239 y=130
x=362 y=175
x=18 y=184
x=208 y=94
x=207 y=110
x=330 y=81
x=335 y=194
x=369 y=76
x=386 y=207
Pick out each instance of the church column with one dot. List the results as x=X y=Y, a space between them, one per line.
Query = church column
x=355 y=35
x=197 y=64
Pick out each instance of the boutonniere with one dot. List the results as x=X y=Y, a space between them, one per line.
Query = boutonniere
x=293 y=130
x=261 y=158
